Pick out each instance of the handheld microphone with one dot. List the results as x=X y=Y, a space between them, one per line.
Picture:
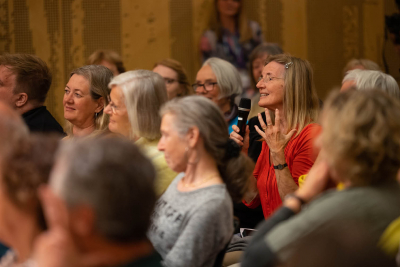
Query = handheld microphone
x=244 y=110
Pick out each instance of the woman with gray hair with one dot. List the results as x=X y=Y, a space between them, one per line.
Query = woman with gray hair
x=369 y=79
x=86 y=95
x=193 y=219
x=219 y=81
x=135 y=100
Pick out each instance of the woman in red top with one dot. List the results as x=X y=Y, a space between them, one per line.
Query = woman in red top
x=291 y=103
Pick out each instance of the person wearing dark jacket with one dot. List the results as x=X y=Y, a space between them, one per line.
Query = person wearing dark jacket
x=24 y=83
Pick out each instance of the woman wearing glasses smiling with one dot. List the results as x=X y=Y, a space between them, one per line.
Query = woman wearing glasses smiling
x=219 y=81
x=287 y=132
x=135 y=101
x=176 y=80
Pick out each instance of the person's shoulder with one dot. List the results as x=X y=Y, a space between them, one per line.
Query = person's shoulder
x=310 y=131
x=254 y=120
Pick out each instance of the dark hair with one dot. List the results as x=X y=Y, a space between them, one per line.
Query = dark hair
x=108 y=55
x=265 y=48
x=33 y=77
x=113 y=177
x=28 y=166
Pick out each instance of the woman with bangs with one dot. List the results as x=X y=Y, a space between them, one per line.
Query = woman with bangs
x=135 y=101
x=283 y=136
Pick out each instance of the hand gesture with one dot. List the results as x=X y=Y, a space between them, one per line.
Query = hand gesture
x=273 y=134
x=243 y=142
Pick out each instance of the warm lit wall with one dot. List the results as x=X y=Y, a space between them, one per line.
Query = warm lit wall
x=65 y=32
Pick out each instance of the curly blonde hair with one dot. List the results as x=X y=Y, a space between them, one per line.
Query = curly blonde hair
x=361 y=133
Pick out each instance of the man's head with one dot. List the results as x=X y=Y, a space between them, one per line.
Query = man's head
x=23 y=79
x=107 y=185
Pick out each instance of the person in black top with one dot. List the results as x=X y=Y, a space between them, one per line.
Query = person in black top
x=24 y=83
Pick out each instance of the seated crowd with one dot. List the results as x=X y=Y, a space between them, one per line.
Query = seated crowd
x=150 y=171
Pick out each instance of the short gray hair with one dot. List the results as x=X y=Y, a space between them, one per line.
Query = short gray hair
x=144 y=93
x=369 y=79
x=111 y=176
x=228 y=77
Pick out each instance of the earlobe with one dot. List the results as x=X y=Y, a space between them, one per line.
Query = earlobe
x=22 y=99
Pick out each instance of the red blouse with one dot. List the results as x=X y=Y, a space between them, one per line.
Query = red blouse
x=299 y=155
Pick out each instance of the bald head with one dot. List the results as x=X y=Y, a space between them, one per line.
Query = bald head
x=13 y=130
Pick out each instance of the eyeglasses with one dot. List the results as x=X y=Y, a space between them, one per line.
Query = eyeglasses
x=169 y=81
x=269 y=78
x=113 y=107
x=208 y=86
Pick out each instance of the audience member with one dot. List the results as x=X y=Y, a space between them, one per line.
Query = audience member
x=21 y=215
x=135 y=101
x=25 y=163
x=231 y=36
x=175 y=77
x=98 y=206
x=287 y=92
x=249 y=218
x=109 y=59
x=193 y=220
x=257 y=59
x=25 y=81
x=344 y=244
x=365 y=158
x=86 y=95
x=369 y=79
x=362 y=64
x=219 y=81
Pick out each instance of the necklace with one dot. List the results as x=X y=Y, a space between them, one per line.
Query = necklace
x=191 y=185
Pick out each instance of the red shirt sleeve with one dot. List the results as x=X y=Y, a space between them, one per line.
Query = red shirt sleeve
x=304 y=153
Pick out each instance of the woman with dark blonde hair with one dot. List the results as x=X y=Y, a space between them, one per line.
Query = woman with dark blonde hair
x=175 y=77
x=231 y=36
x=291 y=105
x=86 y=95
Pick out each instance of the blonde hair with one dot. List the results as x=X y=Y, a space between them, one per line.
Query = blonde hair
x=300 y=100
x=361 y=133
x=207 y=117
x=366 y=63
x=182 y=76
x=98 y=77
x=144 y=93
x=242 y=23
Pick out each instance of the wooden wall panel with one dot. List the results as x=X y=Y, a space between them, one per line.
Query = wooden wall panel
x=145 y=28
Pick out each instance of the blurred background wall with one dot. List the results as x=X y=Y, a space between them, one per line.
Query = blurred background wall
x=65 y=32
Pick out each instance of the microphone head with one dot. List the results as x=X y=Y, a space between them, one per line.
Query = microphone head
x=245 y=103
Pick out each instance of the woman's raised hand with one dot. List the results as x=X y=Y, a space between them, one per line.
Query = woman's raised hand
x=243 y=142
x=273 y=134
